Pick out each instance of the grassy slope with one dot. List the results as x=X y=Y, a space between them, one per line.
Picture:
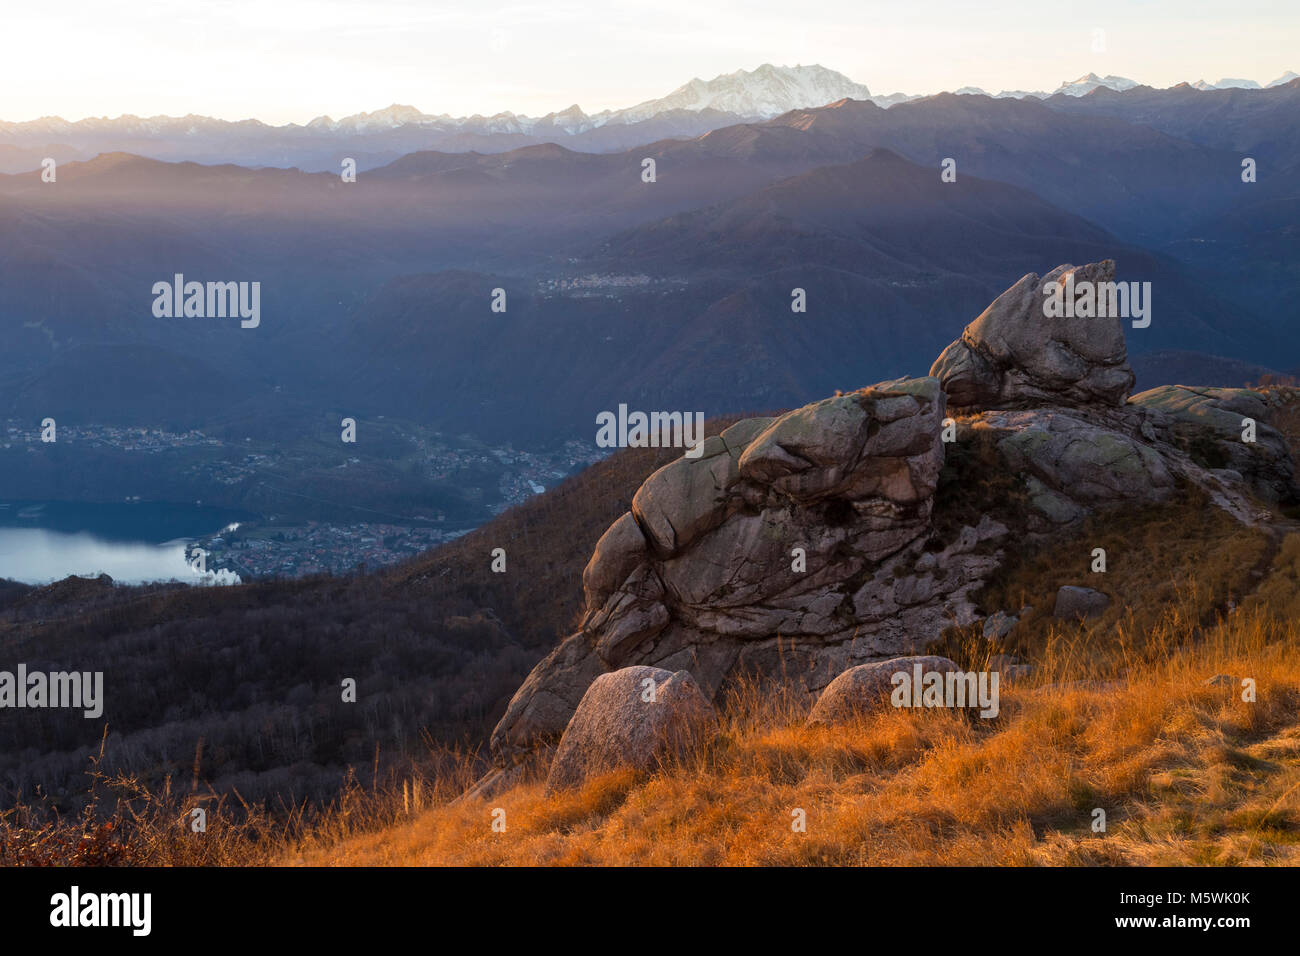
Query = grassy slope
x=1186 y=774
x=1116 y=717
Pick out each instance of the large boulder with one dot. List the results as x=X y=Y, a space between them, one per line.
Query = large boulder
x=1079 y=604
x=1014 y=355
x=866 y=689
x=1089 y=463
x=634 y=717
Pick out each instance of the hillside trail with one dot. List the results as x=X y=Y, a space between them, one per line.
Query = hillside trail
x=1277 y=530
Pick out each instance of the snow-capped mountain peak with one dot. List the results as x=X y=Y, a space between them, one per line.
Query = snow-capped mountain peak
x=392 y=117
x=692 y=109
x=571 y=120
x=1227 y=84
x=1232 y=83
x=1086 y=84
x=764 y=92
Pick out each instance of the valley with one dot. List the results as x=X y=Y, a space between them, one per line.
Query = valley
x=300 y=513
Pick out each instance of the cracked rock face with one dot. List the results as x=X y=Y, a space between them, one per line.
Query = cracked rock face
x=791 y=543
x=1210 y=424
x=801 y=546
x=1072 y=462
x=1016 y=356
x=1075 y=461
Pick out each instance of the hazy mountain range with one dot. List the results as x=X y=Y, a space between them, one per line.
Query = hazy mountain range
x=376 y=138
x=672 y=294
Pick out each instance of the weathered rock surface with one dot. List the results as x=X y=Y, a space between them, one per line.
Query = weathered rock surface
x=1076 y=603
x=1016 y=356
x=501 y=779
x=633 y=717
x=795 y=542
x=1074 y=461
x=804 y=545
x=1210 y=424
x=1094 y=464
x=1010 y=669
x=865 y=689
x=618 y=553
x=999 y=624
x=1221 y=680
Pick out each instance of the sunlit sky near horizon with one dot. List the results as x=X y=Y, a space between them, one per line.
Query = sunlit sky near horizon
x=291 y=60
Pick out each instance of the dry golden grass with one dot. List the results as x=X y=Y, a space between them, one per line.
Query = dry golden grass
x=1186 y=773
x=1186 y=557
x=125 y=823
x=1117 y=716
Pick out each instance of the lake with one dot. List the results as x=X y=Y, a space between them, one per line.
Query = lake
x=132 y=542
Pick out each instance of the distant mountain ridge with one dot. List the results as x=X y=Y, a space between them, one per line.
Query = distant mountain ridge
x=762 y=93
x=767 y=91
x=381 y=287
x=381 y=136
x=1091 y=81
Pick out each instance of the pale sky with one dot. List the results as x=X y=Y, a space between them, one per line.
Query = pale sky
x=291 y=60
